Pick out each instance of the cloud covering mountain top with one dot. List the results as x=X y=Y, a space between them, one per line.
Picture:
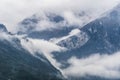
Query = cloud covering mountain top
x=13 y=11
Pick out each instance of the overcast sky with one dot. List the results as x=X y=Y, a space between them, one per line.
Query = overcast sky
x=13 y=11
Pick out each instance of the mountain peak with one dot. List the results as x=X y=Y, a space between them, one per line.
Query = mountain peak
x=2 y=28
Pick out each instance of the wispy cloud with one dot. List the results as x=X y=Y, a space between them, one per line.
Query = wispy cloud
x=43 y=48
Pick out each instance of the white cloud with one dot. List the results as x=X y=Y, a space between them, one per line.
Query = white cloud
x=42 y=47
x=107 y=66
x=72 y=19
x=72 y=33
x=13 y=11
x=8 y=37
x=45 y=24
x=4 y=36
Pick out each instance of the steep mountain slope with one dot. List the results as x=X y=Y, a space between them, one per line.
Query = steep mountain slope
x=103 y=33
x=18 y=64
x=3 y=28
x=104 y=38
x=99 y=36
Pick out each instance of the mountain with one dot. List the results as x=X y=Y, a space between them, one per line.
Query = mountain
x=18 y=64
x=75 y=41
x=2 y=28
x=99 y=36
x=103 y=36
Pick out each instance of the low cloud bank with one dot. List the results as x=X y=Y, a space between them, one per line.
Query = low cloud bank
x=105 y=66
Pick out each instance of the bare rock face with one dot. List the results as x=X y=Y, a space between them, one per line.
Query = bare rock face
x=75 y=41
